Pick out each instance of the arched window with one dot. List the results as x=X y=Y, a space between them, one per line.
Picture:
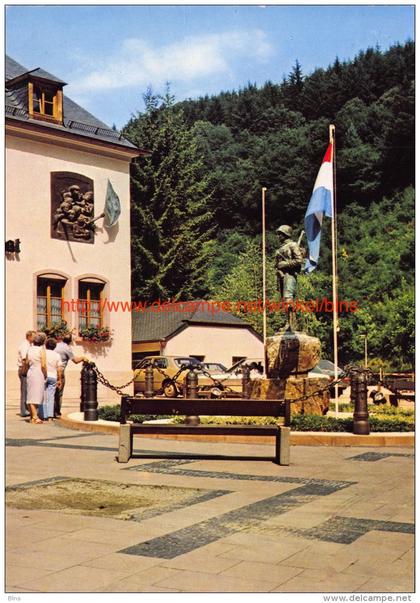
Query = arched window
x=91 y=307
x=49 y=299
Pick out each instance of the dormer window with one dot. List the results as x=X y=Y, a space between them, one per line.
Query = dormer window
x=40 y=94
x=45 y=101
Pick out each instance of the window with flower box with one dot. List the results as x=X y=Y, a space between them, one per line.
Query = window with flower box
x=90 y=304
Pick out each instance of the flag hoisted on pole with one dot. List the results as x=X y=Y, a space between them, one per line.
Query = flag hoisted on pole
x=320 y=204
x=323 y=203
x=334 y=270
x=263 y=191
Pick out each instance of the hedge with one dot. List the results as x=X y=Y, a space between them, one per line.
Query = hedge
x=392 y=421
x=112 y=413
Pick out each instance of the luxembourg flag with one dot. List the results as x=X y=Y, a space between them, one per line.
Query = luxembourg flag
x=321 y=204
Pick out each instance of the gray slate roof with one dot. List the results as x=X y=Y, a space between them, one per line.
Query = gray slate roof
x=76 y=119
x=150 y=325
x=13 y=69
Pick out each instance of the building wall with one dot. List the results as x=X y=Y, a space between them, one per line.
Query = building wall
x=215 y=343
x=28 y=197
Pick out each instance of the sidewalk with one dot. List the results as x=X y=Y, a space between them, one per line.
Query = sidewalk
x=336 y=520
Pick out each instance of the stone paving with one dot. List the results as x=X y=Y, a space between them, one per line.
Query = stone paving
x=335 y=520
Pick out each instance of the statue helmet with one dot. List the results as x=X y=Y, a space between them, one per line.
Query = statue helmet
x=285 y=229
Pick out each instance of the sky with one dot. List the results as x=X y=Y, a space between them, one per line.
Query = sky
x=110 y=55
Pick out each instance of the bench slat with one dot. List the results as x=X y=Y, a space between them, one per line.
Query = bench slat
x=198 y=406
x=206 y=429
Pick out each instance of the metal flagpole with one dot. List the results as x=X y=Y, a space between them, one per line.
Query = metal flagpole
x=334 y=272
x=263 y=190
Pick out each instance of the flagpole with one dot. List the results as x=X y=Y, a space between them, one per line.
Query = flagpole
x=263 y=191
x=334 y=272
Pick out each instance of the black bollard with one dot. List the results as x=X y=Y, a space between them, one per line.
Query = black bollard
x=245 y=380
x=192 y=392
x=90 y=392
x=358 y=383
x=83 y=378
x=149 y=382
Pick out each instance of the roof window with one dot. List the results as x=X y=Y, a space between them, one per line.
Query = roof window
x=45 y=101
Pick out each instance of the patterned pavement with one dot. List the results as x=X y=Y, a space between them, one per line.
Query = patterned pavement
x=335 y=520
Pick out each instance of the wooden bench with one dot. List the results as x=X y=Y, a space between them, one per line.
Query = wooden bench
x=402 y=389
x=198 y=406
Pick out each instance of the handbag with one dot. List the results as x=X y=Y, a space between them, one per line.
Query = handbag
x=25 y=367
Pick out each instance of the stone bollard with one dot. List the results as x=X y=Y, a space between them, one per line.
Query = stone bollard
x=89 y=392
x=149 y=391
x=192 y=392
x=358 y=383
x=245 y=381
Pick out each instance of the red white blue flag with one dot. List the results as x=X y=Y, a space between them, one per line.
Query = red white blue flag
x=320 y=205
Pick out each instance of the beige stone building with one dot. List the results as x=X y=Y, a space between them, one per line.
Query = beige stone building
x=61 y=165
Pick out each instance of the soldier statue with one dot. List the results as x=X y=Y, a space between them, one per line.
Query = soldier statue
x=289 y=258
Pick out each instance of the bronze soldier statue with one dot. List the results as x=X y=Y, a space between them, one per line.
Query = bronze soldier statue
x=289 y=258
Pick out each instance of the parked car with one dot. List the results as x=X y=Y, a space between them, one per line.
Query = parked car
x=170 y=380
x=214 y=367
x=169 y=373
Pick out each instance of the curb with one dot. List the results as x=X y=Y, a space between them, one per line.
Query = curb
x=302 y=438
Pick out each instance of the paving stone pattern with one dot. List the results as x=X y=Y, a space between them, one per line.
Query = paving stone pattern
x=322 y=525
x=200 y=534
x=377 y=456
x=345 y=530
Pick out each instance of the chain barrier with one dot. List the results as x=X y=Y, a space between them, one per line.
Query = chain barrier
x=347 y=371
x=104 y=381
x=173 y=380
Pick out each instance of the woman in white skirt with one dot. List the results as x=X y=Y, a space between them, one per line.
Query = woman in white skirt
x=36 y=365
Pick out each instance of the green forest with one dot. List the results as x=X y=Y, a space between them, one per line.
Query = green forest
x=196 y=196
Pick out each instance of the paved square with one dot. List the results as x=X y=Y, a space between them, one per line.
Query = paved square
x=335 y=520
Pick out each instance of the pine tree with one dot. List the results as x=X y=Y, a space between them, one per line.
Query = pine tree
x=171 y=217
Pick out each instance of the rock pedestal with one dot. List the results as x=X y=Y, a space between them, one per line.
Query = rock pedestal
x=290 y=356
x=291 y=353
x=292 y=388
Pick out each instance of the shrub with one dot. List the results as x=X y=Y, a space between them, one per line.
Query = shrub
x=112 y=413
x=392 y=420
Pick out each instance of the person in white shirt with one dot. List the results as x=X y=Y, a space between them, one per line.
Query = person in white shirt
x=22 y=351
x=36 y=366
x=66 y=354
x=54 y=378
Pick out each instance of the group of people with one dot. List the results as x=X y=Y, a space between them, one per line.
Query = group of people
x=41 y=368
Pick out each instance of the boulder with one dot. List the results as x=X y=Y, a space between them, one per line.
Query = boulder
x=291 y=353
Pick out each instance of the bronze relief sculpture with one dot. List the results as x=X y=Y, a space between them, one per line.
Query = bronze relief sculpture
x=72 y=207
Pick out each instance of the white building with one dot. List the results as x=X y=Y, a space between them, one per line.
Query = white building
x=52 y=144
x=208 y=336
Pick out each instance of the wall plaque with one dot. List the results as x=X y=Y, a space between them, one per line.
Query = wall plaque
x=72 y=207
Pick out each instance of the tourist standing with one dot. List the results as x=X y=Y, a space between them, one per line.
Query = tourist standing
x=54 y=378
x=22 y=351
x=36 y=365
x=66 y=353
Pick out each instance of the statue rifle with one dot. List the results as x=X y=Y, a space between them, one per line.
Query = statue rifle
x=300 y=237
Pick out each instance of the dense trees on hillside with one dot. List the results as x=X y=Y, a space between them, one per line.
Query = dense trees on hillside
x=196 y=214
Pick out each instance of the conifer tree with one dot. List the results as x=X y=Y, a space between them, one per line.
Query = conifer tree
x=171 y=217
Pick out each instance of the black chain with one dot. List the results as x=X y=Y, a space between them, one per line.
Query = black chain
x=116 y=388
x=216 y=382
x=347 y=371
x=104 y=381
